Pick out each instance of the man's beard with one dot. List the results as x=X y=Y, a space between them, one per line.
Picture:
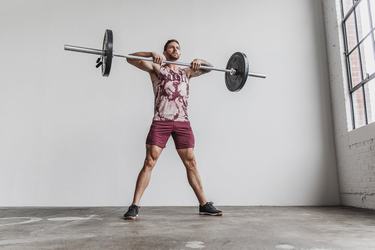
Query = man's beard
x=173 y=58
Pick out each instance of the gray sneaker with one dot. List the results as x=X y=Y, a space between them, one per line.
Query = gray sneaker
x=209 y=209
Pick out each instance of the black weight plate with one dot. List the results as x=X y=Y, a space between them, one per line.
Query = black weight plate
x=108 y=52
x=239 y=62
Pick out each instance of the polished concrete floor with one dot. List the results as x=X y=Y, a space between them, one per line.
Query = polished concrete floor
x=182 y=228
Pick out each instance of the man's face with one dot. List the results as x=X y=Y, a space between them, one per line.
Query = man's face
x=172 y=52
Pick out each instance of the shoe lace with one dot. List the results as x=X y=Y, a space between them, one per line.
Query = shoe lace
x=134 y=207
x=210 y=204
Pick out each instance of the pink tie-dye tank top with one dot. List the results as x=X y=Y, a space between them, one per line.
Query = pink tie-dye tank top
x=171 y=89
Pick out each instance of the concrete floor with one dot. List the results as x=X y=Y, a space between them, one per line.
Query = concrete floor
x=181 y=228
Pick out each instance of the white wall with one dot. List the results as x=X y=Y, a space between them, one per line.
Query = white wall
x=72 y=138
x=355 y=148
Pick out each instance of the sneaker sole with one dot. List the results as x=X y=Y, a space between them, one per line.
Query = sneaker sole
x=215 y=214
x=131 y=217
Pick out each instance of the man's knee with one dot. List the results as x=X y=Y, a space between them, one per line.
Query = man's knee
x=190 y=163
x=152 y=156
x=150 y=162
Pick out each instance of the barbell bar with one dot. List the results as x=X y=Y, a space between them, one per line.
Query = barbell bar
x=236 y=72
x=102 y=53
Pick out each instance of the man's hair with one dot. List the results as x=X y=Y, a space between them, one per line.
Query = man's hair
x=170 y=41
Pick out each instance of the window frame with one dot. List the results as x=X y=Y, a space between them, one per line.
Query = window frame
x=368 y=77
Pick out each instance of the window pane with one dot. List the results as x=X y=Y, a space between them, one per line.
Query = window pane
x=367 y=56
x=363 y=19
x=355 y=68
x=351 y=34
x=347 y=4
x=370 y=100
x=359 y=108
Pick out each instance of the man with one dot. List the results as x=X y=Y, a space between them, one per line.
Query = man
x=171 y=89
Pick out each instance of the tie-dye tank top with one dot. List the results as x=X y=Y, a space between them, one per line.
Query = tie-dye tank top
x=171 y=89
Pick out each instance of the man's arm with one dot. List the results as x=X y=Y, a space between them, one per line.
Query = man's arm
x=147 y=65
x=195 y=70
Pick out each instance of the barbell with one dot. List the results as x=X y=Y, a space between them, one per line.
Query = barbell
x=236 y=71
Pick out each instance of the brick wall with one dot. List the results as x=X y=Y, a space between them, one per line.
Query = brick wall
x=358 y=174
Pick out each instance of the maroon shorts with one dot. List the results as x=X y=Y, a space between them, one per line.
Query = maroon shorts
x=161 y=130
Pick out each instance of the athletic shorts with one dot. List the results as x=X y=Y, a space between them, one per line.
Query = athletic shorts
x=181 y=132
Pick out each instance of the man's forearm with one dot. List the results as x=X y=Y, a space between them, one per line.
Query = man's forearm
x=143 y=54
x=205 y=63
x=137 y=62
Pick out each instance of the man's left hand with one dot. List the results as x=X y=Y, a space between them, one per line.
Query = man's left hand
x=195 y=64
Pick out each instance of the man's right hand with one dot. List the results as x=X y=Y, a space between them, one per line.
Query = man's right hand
x=159 y=59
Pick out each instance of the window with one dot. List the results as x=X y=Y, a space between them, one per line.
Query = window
x=358 y=24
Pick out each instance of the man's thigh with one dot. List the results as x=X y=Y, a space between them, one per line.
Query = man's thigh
x=183 y=135
x=159 y=133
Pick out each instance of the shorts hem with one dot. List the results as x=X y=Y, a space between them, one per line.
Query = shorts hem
x=185 y=147
x=155 y=144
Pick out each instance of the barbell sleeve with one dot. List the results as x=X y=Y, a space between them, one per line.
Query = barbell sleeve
x=84 y=50
x=256 y=75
